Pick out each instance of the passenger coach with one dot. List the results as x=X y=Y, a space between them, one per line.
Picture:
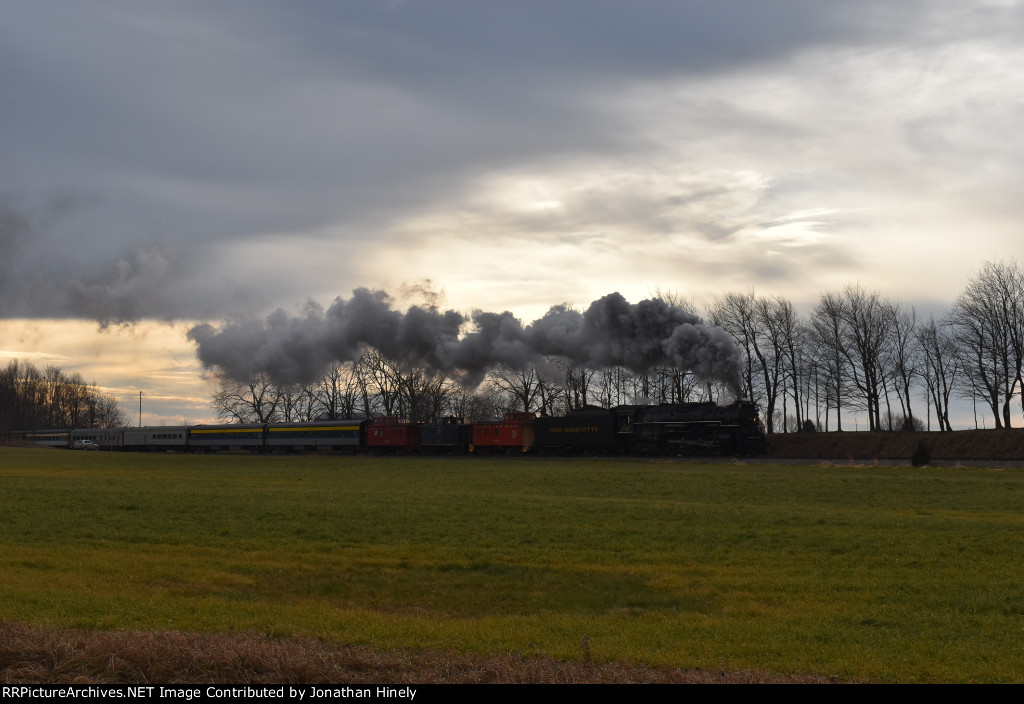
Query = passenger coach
x=335 y=435
x=159 y=439
x=212 y=438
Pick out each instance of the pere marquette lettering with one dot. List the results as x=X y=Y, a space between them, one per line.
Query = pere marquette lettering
x=216 y=692
x=576 y=429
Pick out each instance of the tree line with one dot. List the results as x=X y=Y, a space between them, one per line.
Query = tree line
x=374 y=385
x=854 y=352
x=31 y=399
x=859 y=352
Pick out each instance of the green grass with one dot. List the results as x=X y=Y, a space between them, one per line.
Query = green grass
x=893 y=574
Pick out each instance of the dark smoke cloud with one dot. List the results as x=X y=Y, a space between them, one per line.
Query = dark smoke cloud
x=611 y=332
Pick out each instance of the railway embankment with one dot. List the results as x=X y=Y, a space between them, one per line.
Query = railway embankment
x=1004 y=445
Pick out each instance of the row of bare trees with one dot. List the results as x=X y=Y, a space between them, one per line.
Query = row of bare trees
x=31 y=398
x=853 y=353
x=374 y=385
x=857 y=352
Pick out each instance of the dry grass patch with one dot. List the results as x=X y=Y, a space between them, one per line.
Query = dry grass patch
x=34 y=654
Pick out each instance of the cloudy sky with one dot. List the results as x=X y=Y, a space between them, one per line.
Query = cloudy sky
x=164 y=164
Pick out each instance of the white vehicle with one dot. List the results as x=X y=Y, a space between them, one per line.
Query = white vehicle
x=85 y=445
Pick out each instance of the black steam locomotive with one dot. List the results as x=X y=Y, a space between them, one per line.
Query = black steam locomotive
x=663 y=430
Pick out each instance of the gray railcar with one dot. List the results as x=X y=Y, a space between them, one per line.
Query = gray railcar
x=106 y=438
x=157 y=438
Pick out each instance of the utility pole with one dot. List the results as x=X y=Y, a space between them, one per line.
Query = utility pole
x=140 y=409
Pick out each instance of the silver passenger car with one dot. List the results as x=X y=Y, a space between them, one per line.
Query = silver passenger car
x=156 y=438
x=105 y=438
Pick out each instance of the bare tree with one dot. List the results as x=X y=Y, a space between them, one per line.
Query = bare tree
x=797 y=359
x=578 y=382
x=782 y=328
x=904 y=358
x=426 y=391
x=940 y=367
x=336 y=394
x=615 y=386
x=736 y=313
x=551 y=394
x=382 y=382
x=298 y=403
x=412 y=391
x=107 y=412
x=827 y=337
x=523 y=386
x=988 y=323
x=472 y=405
x=867 y=320
x=759 y=326
x=256 y=400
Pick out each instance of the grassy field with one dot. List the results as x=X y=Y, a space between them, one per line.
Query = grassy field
x=892 y=574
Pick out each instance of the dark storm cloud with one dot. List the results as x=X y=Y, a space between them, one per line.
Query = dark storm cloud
x=540 y=42
x=195 y=133
x=194 y=125
x=54 y=267
x=610 y=332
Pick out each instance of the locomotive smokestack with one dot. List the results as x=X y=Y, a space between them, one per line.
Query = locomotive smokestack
x=611 y=332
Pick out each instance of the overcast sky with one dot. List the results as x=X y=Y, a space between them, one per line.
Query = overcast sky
x=186 y=161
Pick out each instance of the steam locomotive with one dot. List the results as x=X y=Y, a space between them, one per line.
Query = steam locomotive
x=665 y=430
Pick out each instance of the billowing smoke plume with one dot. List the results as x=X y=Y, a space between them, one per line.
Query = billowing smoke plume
x=611 y=332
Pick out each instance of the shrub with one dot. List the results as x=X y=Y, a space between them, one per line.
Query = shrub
x=921 y=456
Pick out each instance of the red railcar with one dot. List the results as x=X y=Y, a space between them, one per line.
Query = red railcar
x=390 y=433
x=514 y=434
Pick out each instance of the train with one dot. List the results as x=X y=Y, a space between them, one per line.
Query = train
x=663 y=430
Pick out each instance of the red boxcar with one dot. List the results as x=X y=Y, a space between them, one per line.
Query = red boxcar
x=514 y=434
x=388 y=432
